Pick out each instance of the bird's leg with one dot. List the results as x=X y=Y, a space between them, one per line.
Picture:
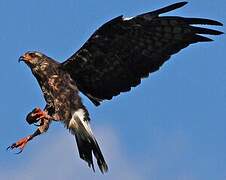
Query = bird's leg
x=34 y=116
x=22 y=142
x=37 y=115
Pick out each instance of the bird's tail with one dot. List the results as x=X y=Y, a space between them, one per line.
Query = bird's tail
x=86 y=142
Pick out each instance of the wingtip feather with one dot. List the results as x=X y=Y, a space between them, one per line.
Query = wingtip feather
x=203 y=21
x=199 y=38
x=103 y=168
x=200 y=30
x=169 y=8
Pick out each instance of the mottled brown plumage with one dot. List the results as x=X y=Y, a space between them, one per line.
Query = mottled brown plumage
x=115 y=58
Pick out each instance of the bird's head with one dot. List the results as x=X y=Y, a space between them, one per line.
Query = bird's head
x=32 y=58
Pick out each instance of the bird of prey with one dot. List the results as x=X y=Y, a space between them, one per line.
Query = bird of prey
x=113 y=60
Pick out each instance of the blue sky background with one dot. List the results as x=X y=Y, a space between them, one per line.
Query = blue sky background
x=171 y=127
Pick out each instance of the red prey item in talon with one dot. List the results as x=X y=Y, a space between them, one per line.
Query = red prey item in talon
x=36 y=115
x=20 y=144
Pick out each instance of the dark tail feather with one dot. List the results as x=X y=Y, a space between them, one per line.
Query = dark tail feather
x=79 y=126
x=85 y=151
x=100 y=159
x=88 y=145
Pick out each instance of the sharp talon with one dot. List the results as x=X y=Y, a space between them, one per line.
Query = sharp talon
x=11 y=147
x=19 y=152
x=20 y=144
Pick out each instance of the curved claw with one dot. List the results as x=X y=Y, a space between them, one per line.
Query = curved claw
x=11 y=147
x=20 y=144
x=19 y=151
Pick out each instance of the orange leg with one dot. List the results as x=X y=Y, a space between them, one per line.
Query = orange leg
x=20 y=144
x=33 y=117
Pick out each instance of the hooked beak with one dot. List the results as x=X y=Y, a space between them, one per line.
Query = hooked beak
x=25 y=58
x=21 y=58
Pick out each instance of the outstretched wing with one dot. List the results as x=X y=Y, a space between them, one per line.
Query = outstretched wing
x=123 y=51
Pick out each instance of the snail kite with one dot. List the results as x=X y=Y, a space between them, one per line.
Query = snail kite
x=113 y=60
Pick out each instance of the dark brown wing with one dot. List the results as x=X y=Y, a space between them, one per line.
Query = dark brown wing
x=123 y=51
